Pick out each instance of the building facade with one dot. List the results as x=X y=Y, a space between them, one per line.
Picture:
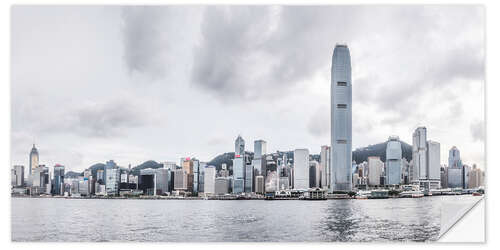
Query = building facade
x=249 y=179
x=239 y=146
x=341 y=119
x=209 y=180
x=162 y=179
x=301 y=169
x=426 y=162
x=260 y=151
x=375 y=169
x=325 y=166
x=454 y=160
x=221 y=186
x=113 y=181
x=393 y=156
x=18 y=176
x=58 y=180
x=239 y=174
x=34 y=160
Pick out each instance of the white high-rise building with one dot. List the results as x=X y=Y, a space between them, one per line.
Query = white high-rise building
x=18 y=177
x=325 y=166
x=426 y=162
x=301 y=169
x=209 y=180
x=375 y=168
x=341 y=119
x=433 y=160
x=112 y=181
x=419 y=153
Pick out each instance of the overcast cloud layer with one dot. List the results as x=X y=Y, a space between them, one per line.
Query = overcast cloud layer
x=132 y=84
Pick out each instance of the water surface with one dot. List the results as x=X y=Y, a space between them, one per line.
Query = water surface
x=55 y=219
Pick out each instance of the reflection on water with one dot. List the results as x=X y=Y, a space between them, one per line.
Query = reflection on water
x=47 y=219
x=340 y=223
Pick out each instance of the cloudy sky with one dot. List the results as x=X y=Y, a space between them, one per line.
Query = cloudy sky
x=132 y=84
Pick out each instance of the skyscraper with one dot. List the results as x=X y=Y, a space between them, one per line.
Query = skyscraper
x=109 y=165
x=147 y=181
x=239 y=166
x=314 y=174
x=33 y=159
x=113 y=181
x=375 y=168
x=433 y=160
x=18 y=177
x=325 y=166
x=239 y=146
x=249 y=178
x=393 y=155
x=341 y=119
x=162 y=181
x=58 y=180
x=258 y=162
x=419 y=154
x=209 y=180
x=259 y=184
x=196 y=176
x=426 y=160
x=239 y=174
x=454 y=160
x=301 y=169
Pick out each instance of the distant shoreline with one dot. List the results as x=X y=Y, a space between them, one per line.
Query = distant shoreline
x=194 y=198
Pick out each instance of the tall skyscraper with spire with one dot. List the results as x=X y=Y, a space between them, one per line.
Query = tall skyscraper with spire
x=341 y=119
x=33 y=159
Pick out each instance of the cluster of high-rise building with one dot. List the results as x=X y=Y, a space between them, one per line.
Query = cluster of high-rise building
x=262 y=172
x=458 y=175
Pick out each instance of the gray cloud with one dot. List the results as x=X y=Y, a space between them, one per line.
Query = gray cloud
x=105 y=118
x=411 y=64
x=108 y=118
x=145 y=47
x=477 y=131
x=255 y=52
x=319 y=122
x=150 y=38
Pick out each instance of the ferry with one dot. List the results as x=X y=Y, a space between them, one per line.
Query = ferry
x=362 y=195
x=379 y=194
x=411 y=191
x=339 y=196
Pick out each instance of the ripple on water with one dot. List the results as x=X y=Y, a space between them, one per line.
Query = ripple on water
x=194 y=221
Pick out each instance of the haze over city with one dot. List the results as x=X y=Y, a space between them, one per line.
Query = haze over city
x=132 y=84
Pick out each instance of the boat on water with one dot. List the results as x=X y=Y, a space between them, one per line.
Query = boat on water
x=379 y=194
x=476 y=194
x=362 y=195
x=339 y=196
x=412 y=191
x=412 y=194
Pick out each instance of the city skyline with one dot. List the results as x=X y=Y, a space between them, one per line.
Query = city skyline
x=121 y=107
